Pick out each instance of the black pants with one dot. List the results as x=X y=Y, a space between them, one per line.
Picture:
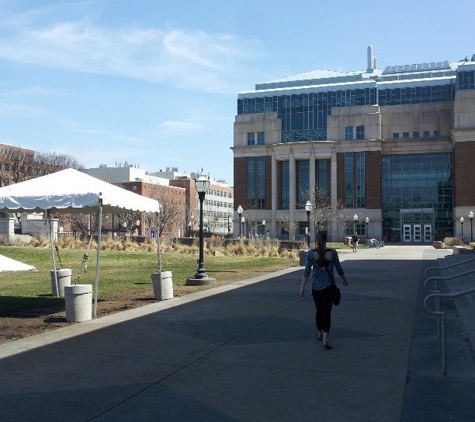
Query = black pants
x=323 y=302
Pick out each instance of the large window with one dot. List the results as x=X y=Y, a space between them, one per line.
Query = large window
x=261 y=139
x=261 y=182
x=355 y=186
x=348 y=133
x=323 y=186
x=466 y=80
x=360 y=132
x=251 y=179
x=285 y=194
x=303 y=183
x=251 y=140
x=256 y=185
x=349 y=180
x=360 y=180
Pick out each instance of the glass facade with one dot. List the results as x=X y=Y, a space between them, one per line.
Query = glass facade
x=355 y=185
x=416 y=95
x=261 y=183
x=349 y=180
x=303 y=183
x=466 y=80
x=256 y=182
x=251 y=180
x=304 y=116
x=417 y=189
x=360 y=180
x=323 y=184
x=285 y=181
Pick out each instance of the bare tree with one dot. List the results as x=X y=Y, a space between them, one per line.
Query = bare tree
x=289 y=226
x=172 y=210
x=20 y=164
x=50 y=162
x=322 y=214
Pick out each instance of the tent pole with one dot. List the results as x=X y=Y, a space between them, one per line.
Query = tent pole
x=52 y=254
x=98 y=264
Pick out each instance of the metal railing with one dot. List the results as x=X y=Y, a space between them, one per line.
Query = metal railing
x=448 y=266
x=441 y=328
x=445 y=278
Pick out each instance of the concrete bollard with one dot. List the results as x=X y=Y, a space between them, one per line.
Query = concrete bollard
x=162 y=285
x=78 y=302
x=64 y=279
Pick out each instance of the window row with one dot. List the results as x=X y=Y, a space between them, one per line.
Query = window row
x=211 y=203
x=416 y=135
x=220 y=193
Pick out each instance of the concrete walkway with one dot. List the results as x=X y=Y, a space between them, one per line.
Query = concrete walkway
x=248 y=352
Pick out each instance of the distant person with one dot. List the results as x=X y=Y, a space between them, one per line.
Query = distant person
x=321 y=263
x=153 y=232
x=354 y=242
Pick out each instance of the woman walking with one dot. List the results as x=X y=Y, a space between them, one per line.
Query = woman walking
x=323 y=260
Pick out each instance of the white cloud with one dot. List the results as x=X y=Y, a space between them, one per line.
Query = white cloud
x=181 y=128
x=192 y=60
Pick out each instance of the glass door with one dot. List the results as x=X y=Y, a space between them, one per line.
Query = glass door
x=417 y=233
x=427 y=233
x=407 y=231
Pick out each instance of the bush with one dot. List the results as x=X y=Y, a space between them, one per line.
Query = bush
x=453 y=241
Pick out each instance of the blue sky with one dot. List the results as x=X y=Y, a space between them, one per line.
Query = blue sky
x=155 y=83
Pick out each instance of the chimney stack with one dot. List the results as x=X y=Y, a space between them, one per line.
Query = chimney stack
x=371 y=60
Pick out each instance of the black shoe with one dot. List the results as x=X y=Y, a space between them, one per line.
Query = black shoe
x=327 y=346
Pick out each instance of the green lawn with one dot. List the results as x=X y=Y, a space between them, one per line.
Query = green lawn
x=120 y=272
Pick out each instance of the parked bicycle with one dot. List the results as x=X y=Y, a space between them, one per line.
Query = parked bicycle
x=373 y=243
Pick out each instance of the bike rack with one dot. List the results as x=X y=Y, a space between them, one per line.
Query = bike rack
x=441 y=316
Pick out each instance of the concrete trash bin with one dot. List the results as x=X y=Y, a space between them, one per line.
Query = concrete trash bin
x=78 y=302
x=162 y=285
x=64 y=279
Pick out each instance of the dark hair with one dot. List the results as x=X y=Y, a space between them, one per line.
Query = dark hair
x=321 y=243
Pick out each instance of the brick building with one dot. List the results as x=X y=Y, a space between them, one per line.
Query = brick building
x=388 y=152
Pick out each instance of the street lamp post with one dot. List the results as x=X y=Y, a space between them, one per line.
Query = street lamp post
x=239 y=211
x=243 y=220
x=264 y=227
x=202 y=186
x=461 y=225
x=470 y=215
x=355 y=221
x=367 y=227
x=308 y=208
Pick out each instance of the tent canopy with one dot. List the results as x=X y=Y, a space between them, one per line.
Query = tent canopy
x=71 y=191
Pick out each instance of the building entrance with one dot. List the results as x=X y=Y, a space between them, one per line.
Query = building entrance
x=417 y=226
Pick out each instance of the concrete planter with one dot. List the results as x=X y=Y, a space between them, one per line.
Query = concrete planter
x=64 y=279
x=78 y=302
x=162 y=285
x=437 y=244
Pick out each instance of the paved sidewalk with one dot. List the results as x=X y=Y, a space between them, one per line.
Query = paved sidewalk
x=248 y=352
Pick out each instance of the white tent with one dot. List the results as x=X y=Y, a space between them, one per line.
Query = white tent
x=71 y=191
